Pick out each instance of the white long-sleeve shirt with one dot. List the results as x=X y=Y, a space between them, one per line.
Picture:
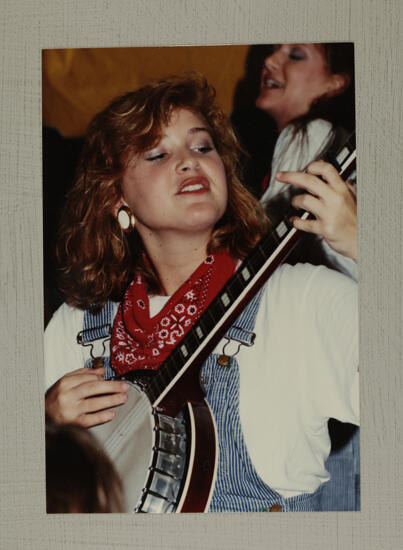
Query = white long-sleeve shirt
x=301 y=370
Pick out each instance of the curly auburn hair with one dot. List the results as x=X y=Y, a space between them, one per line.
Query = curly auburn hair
x=97 y=260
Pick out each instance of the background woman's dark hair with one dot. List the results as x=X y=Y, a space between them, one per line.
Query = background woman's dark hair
x=79 y=476
x=338 y=109
x=257 y=131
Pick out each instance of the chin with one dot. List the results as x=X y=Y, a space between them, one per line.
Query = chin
x=203 y=221
x=259 y=101
x=205 y=213
x=264 y=103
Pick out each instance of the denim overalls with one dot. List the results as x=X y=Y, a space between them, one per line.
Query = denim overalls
x=238 y=487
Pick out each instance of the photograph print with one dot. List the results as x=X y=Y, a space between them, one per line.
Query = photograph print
x=200 y=279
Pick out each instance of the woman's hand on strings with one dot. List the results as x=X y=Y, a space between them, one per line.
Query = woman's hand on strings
x=83 y=397
x=331 y=200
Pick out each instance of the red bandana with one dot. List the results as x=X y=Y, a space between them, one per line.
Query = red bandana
x=143 y=342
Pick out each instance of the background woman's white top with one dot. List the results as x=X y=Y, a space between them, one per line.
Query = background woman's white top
x=293 y=153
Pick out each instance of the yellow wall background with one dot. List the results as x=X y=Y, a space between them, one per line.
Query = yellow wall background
x=77 y=83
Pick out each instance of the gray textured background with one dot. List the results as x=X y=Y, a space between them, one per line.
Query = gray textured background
x=375 y=27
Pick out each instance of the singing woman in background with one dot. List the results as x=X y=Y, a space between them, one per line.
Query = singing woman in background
x=308 y=90
x=155 y=225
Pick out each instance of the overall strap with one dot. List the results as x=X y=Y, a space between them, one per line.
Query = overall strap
x=97 y=331
x=241 y=333
x=245 y=323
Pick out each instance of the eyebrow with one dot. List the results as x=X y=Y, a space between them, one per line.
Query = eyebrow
x=197 y=129
x=194 y=130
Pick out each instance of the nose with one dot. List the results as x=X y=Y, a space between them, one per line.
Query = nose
x=272 y=61
x=187 y=162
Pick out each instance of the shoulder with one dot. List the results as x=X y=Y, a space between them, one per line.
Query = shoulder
x=307 y=287
x=63 y=354
x=70 y=319
x=313 y=140
x=317 y=130
x=317 y=133
x=304 y=275
x=66 y=318
x=319 y=127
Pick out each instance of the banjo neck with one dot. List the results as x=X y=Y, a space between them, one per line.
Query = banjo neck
x=251 y=275
x=167 y=413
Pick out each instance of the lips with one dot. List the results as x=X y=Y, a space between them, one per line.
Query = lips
x=193 y=185
x=269 y=82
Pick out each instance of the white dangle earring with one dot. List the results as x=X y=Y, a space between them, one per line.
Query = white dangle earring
x=126 y=219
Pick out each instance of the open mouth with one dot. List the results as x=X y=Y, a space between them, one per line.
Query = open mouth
x=271 y=83
x=193 y=185
x=190 y=188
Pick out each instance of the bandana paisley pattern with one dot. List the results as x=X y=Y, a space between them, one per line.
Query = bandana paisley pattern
x=141 y=342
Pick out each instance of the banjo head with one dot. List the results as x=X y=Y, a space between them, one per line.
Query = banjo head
x=148 y=451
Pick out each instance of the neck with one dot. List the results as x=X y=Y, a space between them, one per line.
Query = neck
x=281 y=124
x=175 y=260
x=282 y=120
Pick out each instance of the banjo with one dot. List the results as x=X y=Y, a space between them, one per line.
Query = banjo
x=163 y=440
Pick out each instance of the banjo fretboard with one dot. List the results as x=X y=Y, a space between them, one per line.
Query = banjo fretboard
x=254 y=271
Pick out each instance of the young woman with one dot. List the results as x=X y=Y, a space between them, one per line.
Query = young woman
x=158 y=222
x=308 y=89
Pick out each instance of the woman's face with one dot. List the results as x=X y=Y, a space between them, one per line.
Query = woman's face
x=179 y=186
x=293 y=77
